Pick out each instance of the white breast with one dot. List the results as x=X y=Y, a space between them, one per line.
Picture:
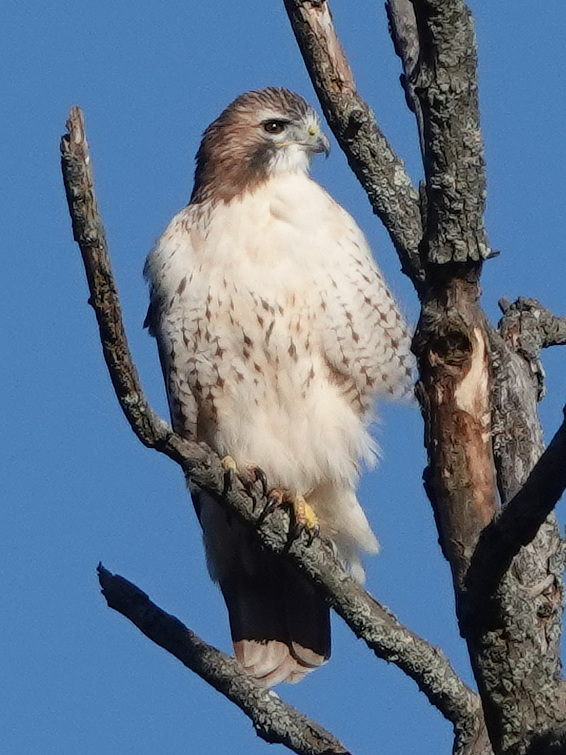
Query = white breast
x=243 y=290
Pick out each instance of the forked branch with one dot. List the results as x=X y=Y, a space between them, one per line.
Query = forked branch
x=386 y=636
x=519 y=521
x=382 y=174
x=441 y=243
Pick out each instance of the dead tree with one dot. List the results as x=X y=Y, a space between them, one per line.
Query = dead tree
x=491 y=483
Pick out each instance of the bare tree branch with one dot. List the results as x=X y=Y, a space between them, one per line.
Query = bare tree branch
x=527 y=327
x=386 y=636
x=530 y=327
x=514 y=632
x=88 y=232
x=514 y=637
x=520 y=616
x=454 y=393
x=404 y=32
x=451 y=339
x=458 y=356
x=403 y=28
x=382 y=174
x=273 y=720
x=520 y=520
x=457 y=361
x=467 y=374
x=445 y=82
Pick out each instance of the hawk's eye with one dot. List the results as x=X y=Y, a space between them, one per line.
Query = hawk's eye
x=273 y=127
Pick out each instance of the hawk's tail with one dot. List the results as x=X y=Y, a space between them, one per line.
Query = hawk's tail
x=280 y=625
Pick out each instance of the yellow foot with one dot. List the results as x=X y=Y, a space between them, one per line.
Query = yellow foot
x=304 y=514
x=303 y=517
x=229 y=464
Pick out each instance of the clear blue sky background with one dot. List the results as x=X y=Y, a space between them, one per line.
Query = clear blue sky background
x=79 y=488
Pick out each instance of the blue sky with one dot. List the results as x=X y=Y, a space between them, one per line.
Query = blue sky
x=78 y=486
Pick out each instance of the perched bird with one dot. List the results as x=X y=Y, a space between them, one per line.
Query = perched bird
x=276 y=332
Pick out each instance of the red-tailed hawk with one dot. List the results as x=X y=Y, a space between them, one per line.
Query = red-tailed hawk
x=276 y=332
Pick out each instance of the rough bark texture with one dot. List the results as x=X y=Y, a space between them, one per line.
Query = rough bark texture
x=445 y=83
x=451 y=340
x=454 y=391
x=382 y=174
x=274 y=721
x=382 y=632
x=512 y=617
x=478 y=391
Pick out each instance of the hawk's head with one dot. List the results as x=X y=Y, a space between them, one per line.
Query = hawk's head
x=260 y=134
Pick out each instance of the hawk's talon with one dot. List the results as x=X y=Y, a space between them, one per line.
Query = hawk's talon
x=295 y=531
x=229 y=479
x=229 y=464
x=304 y=513
x=248 y=477
x=312 y=533
x=298 y=528
x=230 y=471
x=303 y=518
x=274 y=500
x=261 y=477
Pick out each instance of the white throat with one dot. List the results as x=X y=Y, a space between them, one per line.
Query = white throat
x=291 y=158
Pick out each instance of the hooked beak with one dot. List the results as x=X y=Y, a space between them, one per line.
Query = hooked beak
x=317 y=141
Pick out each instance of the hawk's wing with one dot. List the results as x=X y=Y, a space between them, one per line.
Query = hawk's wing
x=365 y=339
x=165 y=322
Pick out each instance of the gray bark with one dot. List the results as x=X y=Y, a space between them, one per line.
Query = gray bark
x=478 y=390
x=370 y=621
x=491 y=483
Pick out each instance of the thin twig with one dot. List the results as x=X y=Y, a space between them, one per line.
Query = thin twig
x=386 y=636
x=382 y=174
x=404 y=33
x=403 y=22
x=274 y=721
